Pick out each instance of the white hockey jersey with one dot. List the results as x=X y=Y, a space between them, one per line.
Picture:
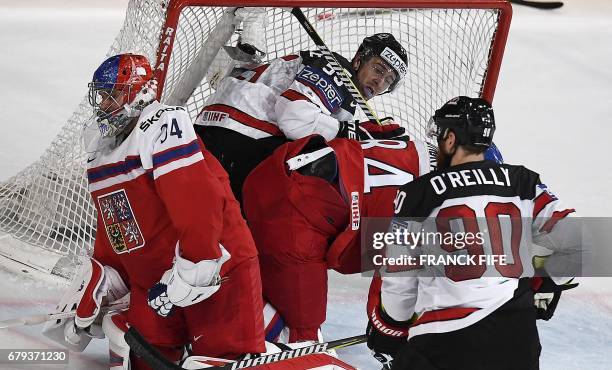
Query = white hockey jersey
x=293 y=96
x=506 y=208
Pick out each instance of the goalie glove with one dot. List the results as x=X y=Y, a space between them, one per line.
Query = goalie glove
x=186 y=283
x=370 y=130
x=547 y=295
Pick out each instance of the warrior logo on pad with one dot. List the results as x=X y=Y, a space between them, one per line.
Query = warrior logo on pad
x=121 y=227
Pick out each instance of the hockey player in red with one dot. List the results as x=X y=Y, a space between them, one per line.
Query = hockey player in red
x=255 y=110
x=305 y=205
x=169 y=231
x=473 y=315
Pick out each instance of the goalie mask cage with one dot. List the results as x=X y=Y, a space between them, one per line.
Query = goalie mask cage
x=47 y=219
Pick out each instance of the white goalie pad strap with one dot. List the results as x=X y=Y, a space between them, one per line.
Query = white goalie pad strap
x=114 y=326
x=306 y=158
x=190 y=283
x=102 y=281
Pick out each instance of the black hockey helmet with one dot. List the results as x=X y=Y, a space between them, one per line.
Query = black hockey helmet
x=471 y=119
x=385 y=46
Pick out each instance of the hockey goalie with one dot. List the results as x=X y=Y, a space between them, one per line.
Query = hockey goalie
x=304 y=206
x=169 y=232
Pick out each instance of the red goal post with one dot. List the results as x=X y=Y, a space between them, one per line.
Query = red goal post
x=47 y=219
x=497 y=47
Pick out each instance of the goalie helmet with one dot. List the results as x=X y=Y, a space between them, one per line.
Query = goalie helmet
x=385 y=46
x=121 y=87
x=471 y=119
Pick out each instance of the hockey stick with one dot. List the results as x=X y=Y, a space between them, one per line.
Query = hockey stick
x=40 y=319
x=147 y=352
x=329 y=56
x=539 y=4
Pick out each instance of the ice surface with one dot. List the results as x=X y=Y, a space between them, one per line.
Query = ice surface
x=552 y=107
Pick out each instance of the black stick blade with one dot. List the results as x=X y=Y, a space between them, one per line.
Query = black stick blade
x=539 y=4
x=147 y=352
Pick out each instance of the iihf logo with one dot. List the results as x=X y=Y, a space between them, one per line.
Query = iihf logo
x=355 y=214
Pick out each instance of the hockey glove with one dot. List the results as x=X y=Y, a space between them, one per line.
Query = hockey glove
x=186 y=283
x=387 y=131
x=371 y=130
x=547 y=295
x=385 y=335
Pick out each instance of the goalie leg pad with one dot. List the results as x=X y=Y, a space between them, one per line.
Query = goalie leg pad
x=84 y=294
x=91 y=298
x=274 y=325
x=277 y=331
x=114 y=326
x=104 y=281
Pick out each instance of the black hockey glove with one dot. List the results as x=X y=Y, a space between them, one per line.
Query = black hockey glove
x=385 y=335
x=547 y=294
x=370 y=130
x=349 y=130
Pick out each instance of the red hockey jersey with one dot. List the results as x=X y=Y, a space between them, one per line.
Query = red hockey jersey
x=303 y=225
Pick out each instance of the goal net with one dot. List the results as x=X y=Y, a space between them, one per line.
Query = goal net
x=47 y=220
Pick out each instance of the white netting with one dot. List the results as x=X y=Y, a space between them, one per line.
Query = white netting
x=47 y=204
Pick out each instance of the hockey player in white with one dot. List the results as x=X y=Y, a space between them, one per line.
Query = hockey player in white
x=483 y=315
x=256 y=109
x=300 y=94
